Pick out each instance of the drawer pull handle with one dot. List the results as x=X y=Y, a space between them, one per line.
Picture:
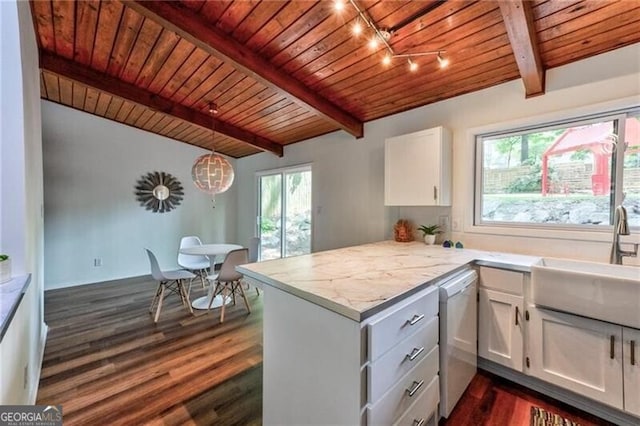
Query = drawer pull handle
x=417 y=422
x=415 y=319
x=633 y=352
x=416 y=386
x=613 y=347
x=414 y=353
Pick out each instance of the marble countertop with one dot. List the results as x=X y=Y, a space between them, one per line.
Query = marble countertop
x=361 y=280
x=11 y=294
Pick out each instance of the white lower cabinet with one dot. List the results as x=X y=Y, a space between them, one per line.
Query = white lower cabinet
x=578 y=354
x=403 y=362
x=322 y=368
x=423 y=411
x=500 y=328
x=631 y=369
x=406 y=392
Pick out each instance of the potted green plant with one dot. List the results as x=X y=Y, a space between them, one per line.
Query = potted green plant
x=5 y=268
x=429 y=233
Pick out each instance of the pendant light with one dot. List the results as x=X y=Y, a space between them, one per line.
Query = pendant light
x=212 y=173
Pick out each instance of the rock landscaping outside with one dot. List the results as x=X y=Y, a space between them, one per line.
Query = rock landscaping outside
x=572 y=209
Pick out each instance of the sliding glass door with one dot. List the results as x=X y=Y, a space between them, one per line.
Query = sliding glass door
x=284 y=212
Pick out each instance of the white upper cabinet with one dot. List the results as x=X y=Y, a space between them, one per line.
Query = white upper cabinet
x=417 y=169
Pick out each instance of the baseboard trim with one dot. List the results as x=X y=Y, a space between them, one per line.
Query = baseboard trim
x=578 y=401
x=33 y=386
x=124 y=280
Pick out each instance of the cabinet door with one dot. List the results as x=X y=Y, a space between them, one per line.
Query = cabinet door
x=417 y=169
x=631 y=370
x=578 y=354
x=500 y=328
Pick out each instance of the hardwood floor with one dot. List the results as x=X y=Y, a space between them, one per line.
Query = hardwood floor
x=106 y=362
x=493 y=401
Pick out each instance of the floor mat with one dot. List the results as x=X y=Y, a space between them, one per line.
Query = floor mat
x=540 y=417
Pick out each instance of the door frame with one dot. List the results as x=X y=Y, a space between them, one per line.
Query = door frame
x=282 y=171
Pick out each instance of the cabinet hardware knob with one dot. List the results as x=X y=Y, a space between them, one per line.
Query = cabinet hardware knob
x=414 y=353
x=613 y=347
x=633 y=352
x=416 y=318
x=517 y=314
x=417 y=422
x=415 y=387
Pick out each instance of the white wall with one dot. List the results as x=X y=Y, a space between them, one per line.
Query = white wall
x=91 y=166
x=346 y=189
x=21 y=225
x=348 y=173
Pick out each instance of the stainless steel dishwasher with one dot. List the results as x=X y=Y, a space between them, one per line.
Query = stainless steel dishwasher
x=458 y=337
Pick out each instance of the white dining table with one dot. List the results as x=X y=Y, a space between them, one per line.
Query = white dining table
x=213 y=251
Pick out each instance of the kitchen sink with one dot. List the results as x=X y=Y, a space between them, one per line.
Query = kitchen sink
x=595 y=290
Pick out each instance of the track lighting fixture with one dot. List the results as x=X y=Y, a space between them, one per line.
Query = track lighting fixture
x=442 y=61
x=357 y=28
x=363 y=21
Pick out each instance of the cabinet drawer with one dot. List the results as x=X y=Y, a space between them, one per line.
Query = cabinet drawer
x=499 y=279
x=395 y=402
x=393 y=326
x=388 y=369
x=424 y=408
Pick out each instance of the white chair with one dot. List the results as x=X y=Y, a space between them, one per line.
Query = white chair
x=199 y=265
x=172 y=281
x=228 y=282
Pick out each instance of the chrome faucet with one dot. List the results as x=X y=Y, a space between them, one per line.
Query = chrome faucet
x=620 y=227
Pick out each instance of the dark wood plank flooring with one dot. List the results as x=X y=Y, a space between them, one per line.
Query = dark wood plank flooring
x=493 y=401
x=106 y=362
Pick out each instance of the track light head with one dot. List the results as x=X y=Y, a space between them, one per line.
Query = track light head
x=356 y=29
x=442 y=61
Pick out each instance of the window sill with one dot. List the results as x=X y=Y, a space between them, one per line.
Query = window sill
x=596 y=235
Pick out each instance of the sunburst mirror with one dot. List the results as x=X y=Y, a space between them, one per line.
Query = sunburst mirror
x=159 y=192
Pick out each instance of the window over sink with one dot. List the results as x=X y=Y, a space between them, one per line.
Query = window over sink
x=568 y=174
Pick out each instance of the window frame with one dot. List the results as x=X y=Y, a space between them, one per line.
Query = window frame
x=569 y=231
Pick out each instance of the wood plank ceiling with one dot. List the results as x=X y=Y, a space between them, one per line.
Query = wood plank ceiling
x=285 y=71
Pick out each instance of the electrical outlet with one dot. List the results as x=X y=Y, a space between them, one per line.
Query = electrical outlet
x=443 y=222
x=455 y=224
x=97 y=261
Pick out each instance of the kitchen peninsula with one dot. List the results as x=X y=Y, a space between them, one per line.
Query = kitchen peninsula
x=326 y=334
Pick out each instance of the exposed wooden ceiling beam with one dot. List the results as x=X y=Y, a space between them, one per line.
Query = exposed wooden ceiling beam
x=89 y=77
x=192 y=27
x=518 y=18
